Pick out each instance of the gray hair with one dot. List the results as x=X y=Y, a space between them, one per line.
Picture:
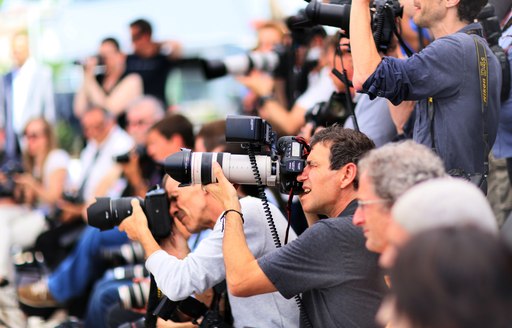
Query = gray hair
x=444 y=202
x=153 y=104
x=396 y=167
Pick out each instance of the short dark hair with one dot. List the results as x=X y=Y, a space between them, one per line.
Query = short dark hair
x=143 y=25
x=453 y=277
x=113 y=41
x=176 y=124
x=213 y=134
x=469 y=9
x=346 y=145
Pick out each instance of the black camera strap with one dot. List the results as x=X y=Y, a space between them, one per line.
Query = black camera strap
x=87 y=172
x=483 y=69
x=344 y=79
x=483 y=74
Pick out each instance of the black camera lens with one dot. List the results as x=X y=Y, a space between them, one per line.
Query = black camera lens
x=178 y=166
x=107 y=213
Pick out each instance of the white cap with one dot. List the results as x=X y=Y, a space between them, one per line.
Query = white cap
x=444 y=202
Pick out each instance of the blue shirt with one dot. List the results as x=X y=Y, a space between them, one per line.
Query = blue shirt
x=446 y=71
x=503 y=145
x=374 y=120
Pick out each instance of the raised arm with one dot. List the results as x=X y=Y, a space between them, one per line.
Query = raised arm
x=243 y=273
x=365 y=56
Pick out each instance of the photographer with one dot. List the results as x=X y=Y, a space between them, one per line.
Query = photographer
x=113 y=88
x=72 y=277
x=318 y=87
x=203 y=268
x=328 y=263
x=457 y=109
x=151 y=60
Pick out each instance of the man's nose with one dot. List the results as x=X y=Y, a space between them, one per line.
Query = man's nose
x=173 y=208
x=358 y=218
x=303 y=175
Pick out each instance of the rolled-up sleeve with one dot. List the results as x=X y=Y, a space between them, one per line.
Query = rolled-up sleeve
x=435 y=71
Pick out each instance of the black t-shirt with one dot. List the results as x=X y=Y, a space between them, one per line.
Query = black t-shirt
x=153 y=71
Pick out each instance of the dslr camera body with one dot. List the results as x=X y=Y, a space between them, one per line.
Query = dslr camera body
x=9 y=169
x=384 y=13
x=106 y=213
x=270 y=162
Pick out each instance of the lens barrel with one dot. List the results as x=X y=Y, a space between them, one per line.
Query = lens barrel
x=197 y=168
x=106 y=213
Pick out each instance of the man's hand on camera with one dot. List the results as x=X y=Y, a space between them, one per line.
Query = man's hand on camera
x=136 y=225
x=90 y=65
x=259 y=83
x=223 y=191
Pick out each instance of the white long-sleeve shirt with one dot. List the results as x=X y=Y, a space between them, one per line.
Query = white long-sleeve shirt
x=204 y=268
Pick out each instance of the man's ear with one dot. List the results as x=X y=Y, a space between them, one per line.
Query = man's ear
x=347 y=175
x=452 y=3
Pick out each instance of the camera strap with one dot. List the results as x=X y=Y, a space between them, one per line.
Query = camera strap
x=483 y=74
x=86 y=174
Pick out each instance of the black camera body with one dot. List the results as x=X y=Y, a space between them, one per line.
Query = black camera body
x=384 y=12
x=106 y=213
x=329 y=112
x=9 y=169
x=125 y=158
x=269 y=162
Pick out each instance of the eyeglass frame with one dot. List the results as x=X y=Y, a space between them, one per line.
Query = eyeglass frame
x=362 y=203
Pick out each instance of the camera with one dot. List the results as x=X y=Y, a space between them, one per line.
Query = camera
x=242 y=64
x=9 y=169
x=135 y=295
x=338 y=15
x=492 y=33
x=130 y=253
x=106 y=213
x=329 y=112
x=100 y=66
x=269 y=162
x=125 y=158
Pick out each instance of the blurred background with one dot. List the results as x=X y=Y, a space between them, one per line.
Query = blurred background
x=62 y=32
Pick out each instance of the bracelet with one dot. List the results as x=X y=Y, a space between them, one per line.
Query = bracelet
x=223 y=216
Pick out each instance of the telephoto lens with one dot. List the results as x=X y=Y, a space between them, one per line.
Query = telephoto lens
x=106 y=213
x=130 y=253
x=134 y=296
x=130 y=272
x=189 y=167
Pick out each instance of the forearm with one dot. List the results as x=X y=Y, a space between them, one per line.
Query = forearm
x=284 y=121
x=94 y=92
x=365 y=56
x=242 y=270
x=147 y=242
x=180 y=278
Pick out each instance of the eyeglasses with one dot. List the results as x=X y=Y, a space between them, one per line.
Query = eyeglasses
x=138 y=123
x=363 y=203
x=32 y=136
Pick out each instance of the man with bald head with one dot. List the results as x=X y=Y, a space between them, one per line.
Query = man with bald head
x=444 y=202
